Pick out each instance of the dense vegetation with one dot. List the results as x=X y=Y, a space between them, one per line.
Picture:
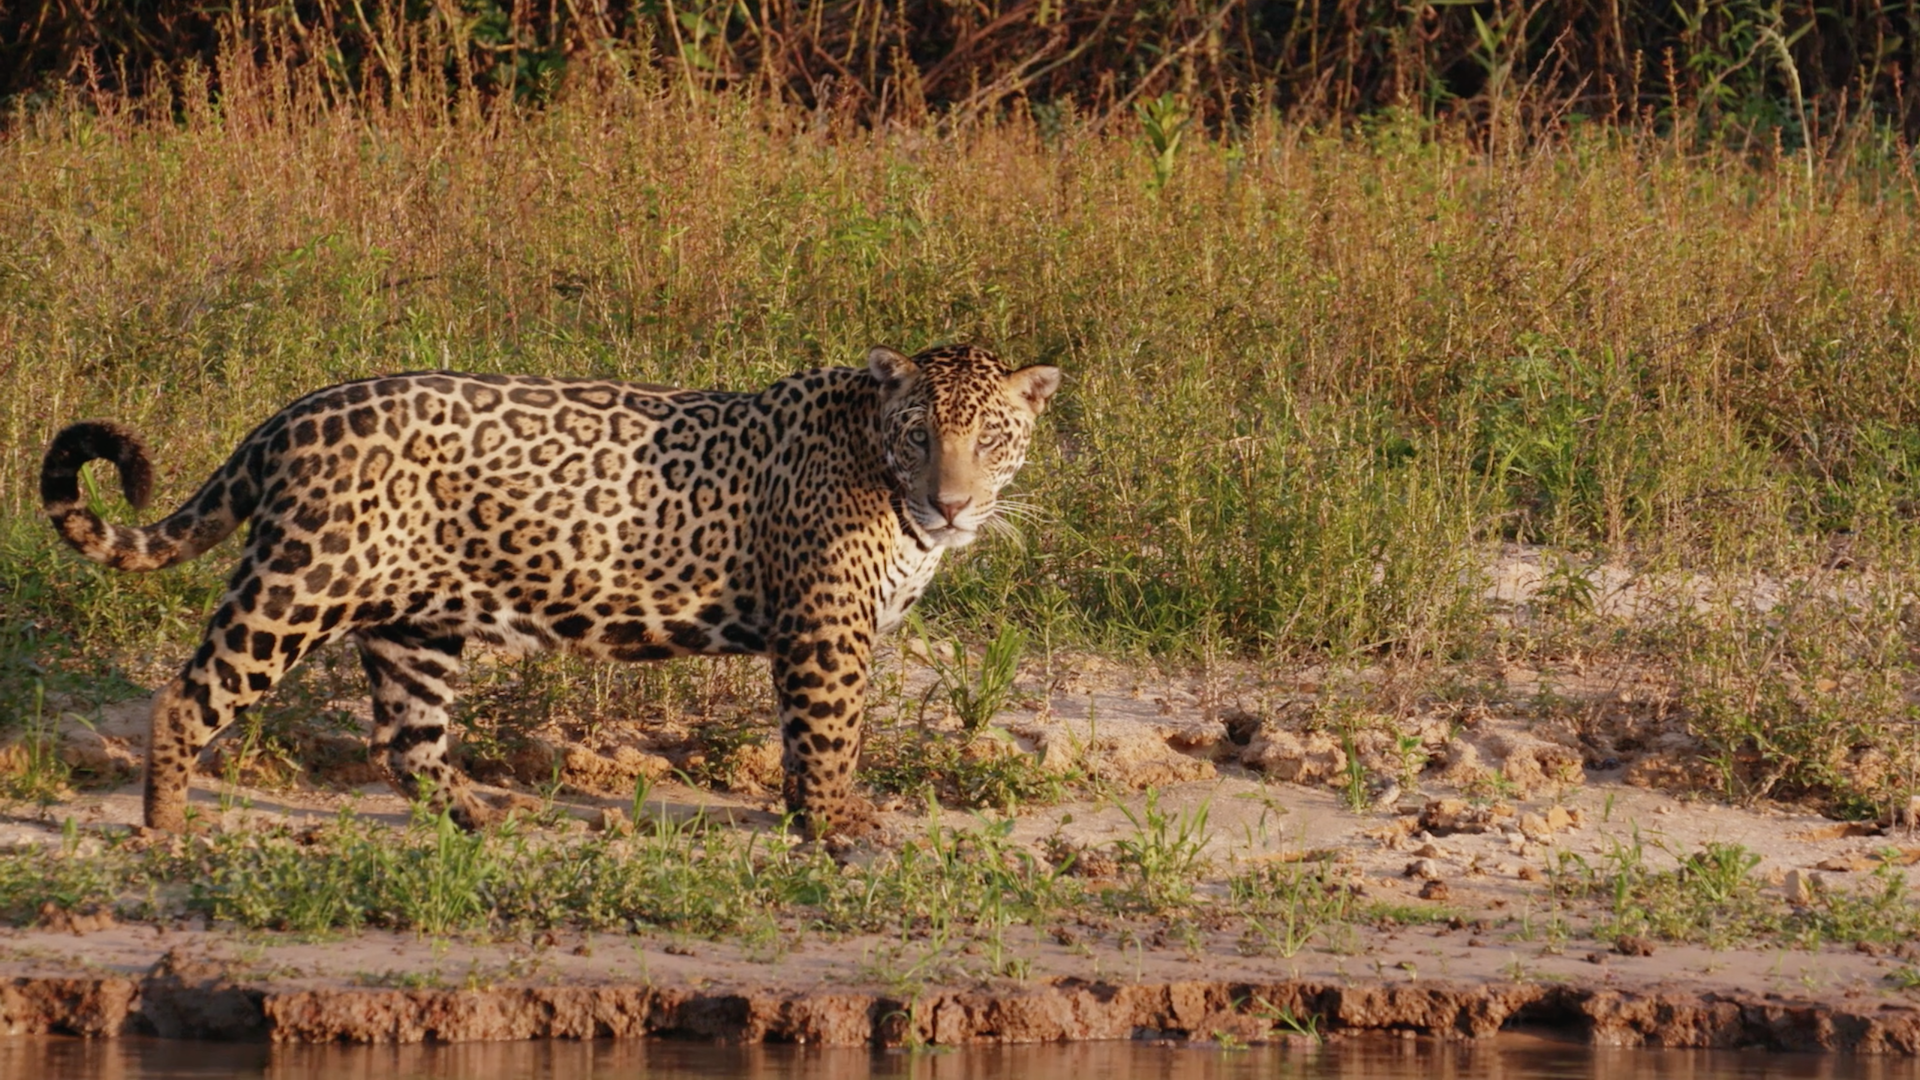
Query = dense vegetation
x=1754 y=68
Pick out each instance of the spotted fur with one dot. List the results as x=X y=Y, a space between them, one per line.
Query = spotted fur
x=419 y=512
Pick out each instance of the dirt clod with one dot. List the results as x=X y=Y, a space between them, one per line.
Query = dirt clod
x=1798 y=885
x=1311 y=758
x=100 y=756
x=1632 y=945
x=1535 y=828
x=1445 y=817
x=77 y=921
x=1140 y=757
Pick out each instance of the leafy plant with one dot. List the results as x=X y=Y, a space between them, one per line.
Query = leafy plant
x=1163 y=122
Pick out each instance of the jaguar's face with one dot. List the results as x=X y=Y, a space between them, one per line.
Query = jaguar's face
x=955 y=428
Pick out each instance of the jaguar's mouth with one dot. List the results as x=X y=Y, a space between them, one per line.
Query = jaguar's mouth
x=945 y=535
x=952 y=536
x=942 y=533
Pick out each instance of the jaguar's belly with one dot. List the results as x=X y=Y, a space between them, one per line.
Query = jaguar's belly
x=627 y=630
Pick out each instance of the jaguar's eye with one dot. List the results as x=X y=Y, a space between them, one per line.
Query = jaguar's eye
x=917 y=436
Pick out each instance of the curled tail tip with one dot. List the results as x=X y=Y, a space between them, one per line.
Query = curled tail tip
x=92 y=440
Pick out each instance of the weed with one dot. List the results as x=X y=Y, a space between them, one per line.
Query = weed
x=1303 y=1025
x=1164 y=854
x=637 y=805
x=431 y=979
x=721 y=742
x=1492 y=785
x=1567 y=588
x=975 y=696
x=976 y=774
x=1163 y=122
x=1413 y=755
x=1785 y=704
x=1712 y=896
x=1286 y=905
x=65 y=877
x=230 y=773
x=35 y=772
x=1718 y=872
x=1353 y=777
x=905 y=971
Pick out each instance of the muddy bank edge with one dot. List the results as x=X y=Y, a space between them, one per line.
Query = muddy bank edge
x=1068 y=1009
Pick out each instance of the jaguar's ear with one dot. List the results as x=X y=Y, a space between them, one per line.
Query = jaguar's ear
x=1034 y=385
x=888 y=367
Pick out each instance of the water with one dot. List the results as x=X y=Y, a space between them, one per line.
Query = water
x=1505 y=1058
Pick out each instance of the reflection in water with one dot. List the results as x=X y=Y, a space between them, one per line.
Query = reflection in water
x=1507 y=1058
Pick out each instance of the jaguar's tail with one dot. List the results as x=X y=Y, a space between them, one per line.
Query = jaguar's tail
x=222 y=503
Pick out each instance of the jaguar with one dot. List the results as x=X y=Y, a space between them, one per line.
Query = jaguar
x=418 y=513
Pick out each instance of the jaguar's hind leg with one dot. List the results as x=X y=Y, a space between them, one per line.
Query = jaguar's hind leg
x=184 y=719
x=409 y=669
x=241 y=659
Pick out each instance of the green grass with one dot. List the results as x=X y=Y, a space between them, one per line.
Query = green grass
x=1314 y=372
x=1288 y=905
x=969 y=774
x=978 y=767
x=1713 y=896
x=689 y=877
x=959 y=900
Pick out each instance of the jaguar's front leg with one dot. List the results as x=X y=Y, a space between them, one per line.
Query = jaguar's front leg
x=821 y=681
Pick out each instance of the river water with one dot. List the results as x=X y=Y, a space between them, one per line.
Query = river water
x=1516 y=1057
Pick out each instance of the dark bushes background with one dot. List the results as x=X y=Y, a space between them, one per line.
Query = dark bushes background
x=1746 y=67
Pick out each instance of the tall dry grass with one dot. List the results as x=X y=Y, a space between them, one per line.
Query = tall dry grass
x=1313 y=372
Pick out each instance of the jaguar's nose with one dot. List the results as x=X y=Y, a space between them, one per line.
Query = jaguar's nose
x=950 y=508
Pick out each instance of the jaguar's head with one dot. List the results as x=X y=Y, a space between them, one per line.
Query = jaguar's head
x=955 y=426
